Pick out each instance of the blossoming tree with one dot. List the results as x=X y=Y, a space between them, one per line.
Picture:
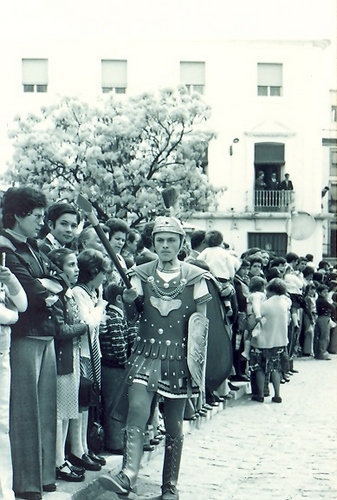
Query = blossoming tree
x=120 y=153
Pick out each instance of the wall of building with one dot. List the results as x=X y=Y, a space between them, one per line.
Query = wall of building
x=294 y=119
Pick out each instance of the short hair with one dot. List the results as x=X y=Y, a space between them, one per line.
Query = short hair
x=321 y=288
x=84 y=235
x=253 y=259
x=253 y=250
x=56 y=210
x=59 y=255
x=277 y=261
x=146 y=235
x=91 y=262
x=197 y=237
x=309 y=257
x=213 y=238
x=323 y=264
x=244 y=263
x=291 y=257
x=257 y=284
x=277 y=286
x=318 y=277
x=131 y=235
x=116 y=225
x=307 y=271
x=20 y=202
x=310 y=286
x=111 y=292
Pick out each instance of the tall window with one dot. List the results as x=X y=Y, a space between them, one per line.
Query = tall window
x=114 y=76
x=192 y=74
x=35 y=75
x=334 y=114
x=332 y=203
x=333 y=162
x=269 y=79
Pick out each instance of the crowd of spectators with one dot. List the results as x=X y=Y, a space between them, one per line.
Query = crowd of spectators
x=62 y=319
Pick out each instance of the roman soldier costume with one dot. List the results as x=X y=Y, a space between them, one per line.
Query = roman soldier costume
x=161 y=359
x=159 y=356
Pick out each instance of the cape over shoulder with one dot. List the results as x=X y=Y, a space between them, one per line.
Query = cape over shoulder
x=191 y=273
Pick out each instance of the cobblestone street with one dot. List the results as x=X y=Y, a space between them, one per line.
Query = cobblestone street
x=262 y=451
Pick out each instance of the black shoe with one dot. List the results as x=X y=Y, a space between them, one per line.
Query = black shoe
x=49 y=487
x=65 y=473
x=161 y=431
x=29 y=495
x=78 y=470
x=207 y=406
x=191 y=417
x=154 y=441
x=97 y=458
x=259 y=399
x=240 y=378
x=294 y=371
x=148 y=447
x=160 y=436
x=85 y=461
x=214 y=403
x=233 y=387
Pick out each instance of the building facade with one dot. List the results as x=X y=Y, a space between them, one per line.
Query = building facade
x=272 y=110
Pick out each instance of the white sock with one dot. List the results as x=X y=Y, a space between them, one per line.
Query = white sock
x=75 y=433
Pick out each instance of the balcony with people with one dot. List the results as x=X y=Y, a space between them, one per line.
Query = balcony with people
x=271 y=195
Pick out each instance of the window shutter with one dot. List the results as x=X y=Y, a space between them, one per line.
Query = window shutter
x=113 y=73
x=269 y=153
x=192 y=73
x=269 y=74
x=34 y=71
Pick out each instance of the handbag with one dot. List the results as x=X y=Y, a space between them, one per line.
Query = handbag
x=95 y=434
x=89 y=391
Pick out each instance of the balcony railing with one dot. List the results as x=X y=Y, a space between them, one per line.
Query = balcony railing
x=274 y=201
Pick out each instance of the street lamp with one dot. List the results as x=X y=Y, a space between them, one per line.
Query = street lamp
x=235 y=141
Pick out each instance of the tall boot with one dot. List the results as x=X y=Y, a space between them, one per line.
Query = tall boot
x=125 y=481
x=173 y=450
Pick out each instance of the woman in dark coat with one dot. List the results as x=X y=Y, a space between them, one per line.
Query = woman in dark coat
x=32 y=356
